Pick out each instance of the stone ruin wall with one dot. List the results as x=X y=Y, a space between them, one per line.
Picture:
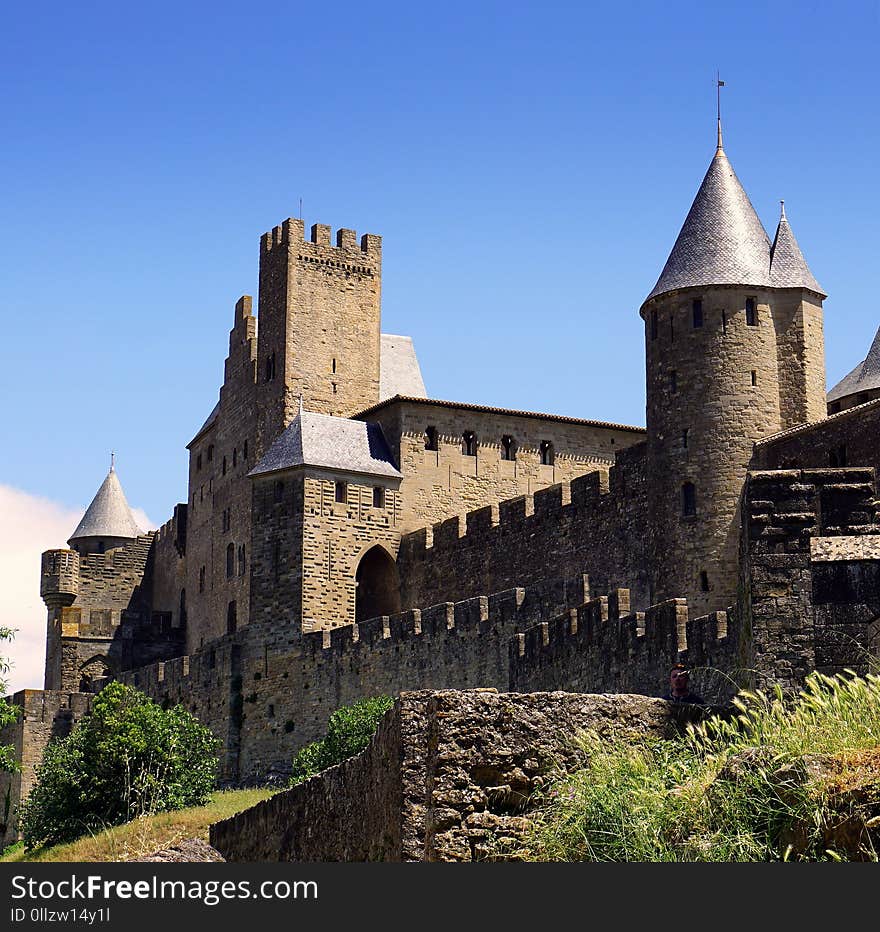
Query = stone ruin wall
x=447 y=777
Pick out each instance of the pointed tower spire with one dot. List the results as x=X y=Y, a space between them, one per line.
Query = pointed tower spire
x=108 y=519
x=788 y=268
x=719 y=85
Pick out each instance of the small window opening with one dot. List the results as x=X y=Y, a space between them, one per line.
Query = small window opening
x=341 y=492
x=210 y=452
x=100 y=546
x=230 y=560
x=546 y=451
x=378 y=496
x=430 y=438
x=688 y=499
x=469 y=443
x=234 y=457
x=673 y=381
x=231 y=618
x=698 y=312
x=201 y=579
x=704 y=581
x=334 y=387
x=334 y=366
x=245 y=451
x=199 y=461
x=241 y=560
x=751 y=312
x=837 y=456
x=684 y=438
x=672 y=328
x=224 y=465
x=754 y=376
x=834 y=407
x=653 y=325
x=508 y=448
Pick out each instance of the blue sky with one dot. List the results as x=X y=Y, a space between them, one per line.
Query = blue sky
x=528 y=166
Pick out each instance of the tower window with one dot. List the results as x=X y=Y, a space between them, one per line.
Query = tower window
x=270 y=367
x=653 y=325
x=546 y=452
x=469 y=443
x=201 y=579
x=673 y=381
x=697 y=308
x=672 y=328
x=199 y=461
x=334 y=365
x=334 y=387
x=210 y=452
x=508 y=448
x=224 y=465
x=231 y=618
x=751 y=312
x=704 y=581
x=342 y=492
x=430 y=438
x=245 y=451
x=241 y=560
x=754 y=376
x=378 y=496
x=234 y=457
x=230 y=561
x=684 y=438
x=688 y=499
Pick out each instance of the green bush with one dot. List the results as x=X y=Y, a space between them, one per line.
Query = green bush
x=348 y=732
x=129 y=757
x=730 y=790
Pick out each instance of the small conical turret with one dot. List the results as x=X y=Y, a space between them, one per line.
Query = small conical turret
x=788 y=268
x=108 y=521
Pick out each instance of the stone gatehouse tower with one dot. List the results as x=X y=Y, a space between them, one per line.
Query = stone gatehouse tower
x=734 y=353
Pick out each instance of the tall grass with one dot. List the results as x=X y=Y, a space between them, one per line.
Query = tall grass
x=737 y=789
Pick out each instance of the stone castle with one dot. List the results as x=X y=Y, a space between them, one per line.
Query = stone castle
x=346 y=535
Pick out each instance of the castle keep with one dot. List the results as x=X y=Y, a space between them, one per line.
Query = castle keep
x=344 y=534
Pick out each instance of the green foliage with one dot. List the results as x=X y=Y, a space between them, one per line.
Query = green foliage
x=8 y=714
x=348 y=732
x=731 y=790
x=128 y=758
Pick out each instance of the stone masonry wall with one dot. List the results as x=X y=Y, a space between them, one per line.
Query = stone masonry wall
x=596 y=524
x=438 y=484
x=44 y=714
x=268 y=690
x=449 y=776
x=811 y=579
x=845 y=439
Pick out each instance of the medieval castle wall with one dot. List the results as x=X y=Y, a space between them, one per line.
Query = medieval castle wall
x=513 y=454
x=597 y=523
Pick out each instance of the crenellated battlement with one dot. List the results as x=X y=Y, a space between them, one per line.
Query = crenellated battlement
x=59 y=576
x=318 y=248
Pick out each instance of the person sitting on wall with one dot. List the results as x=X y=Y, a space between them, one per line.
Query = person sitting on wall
x=679 y=686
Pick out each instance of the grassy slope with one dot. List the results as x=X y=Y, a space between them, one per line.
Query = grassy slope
x=152 y=833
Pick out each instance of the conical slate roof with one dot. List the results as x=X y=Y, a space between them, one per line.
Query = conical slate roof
x=788 y=268
x=723 y=241
x=329 y=442
x=865 y=376
x=109 y=514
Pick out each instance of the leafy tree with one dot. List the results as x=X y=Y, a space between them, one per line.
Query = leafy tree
x=8 y=712
x=348 y=732
x=128 y=757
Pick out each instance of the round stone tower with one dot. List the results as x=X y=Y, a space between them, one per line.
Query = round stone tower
x=734 y=352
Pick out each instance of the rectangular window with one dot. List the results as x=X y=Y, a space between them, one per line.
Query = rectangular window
x=653 y=325
x=698 y=312
x=378 y=497
x=341 y=492
x=684 y=438
x=673 y=381
x=754 y=376
x=751 y=312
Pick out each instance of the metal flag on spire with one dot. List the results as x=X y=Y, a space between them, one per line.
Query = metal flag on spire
x=718 y=85
x=112 y=459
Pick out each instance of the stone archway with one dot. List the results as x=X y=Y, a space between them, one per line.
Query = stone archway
x=92 y=671
x=377 y=585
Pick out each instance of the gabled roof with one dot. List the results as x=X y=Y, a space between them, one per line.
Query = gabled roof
x=399 y=370
x=788 y=268
x=109 y=514
x=327 y=442
x=865 y=376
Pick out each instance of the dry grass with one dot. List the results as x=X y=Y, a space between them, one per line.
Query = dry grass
x=146 y=835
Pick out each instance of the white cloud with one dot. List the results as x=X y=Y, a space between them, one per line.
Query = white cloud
x=30 y=525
